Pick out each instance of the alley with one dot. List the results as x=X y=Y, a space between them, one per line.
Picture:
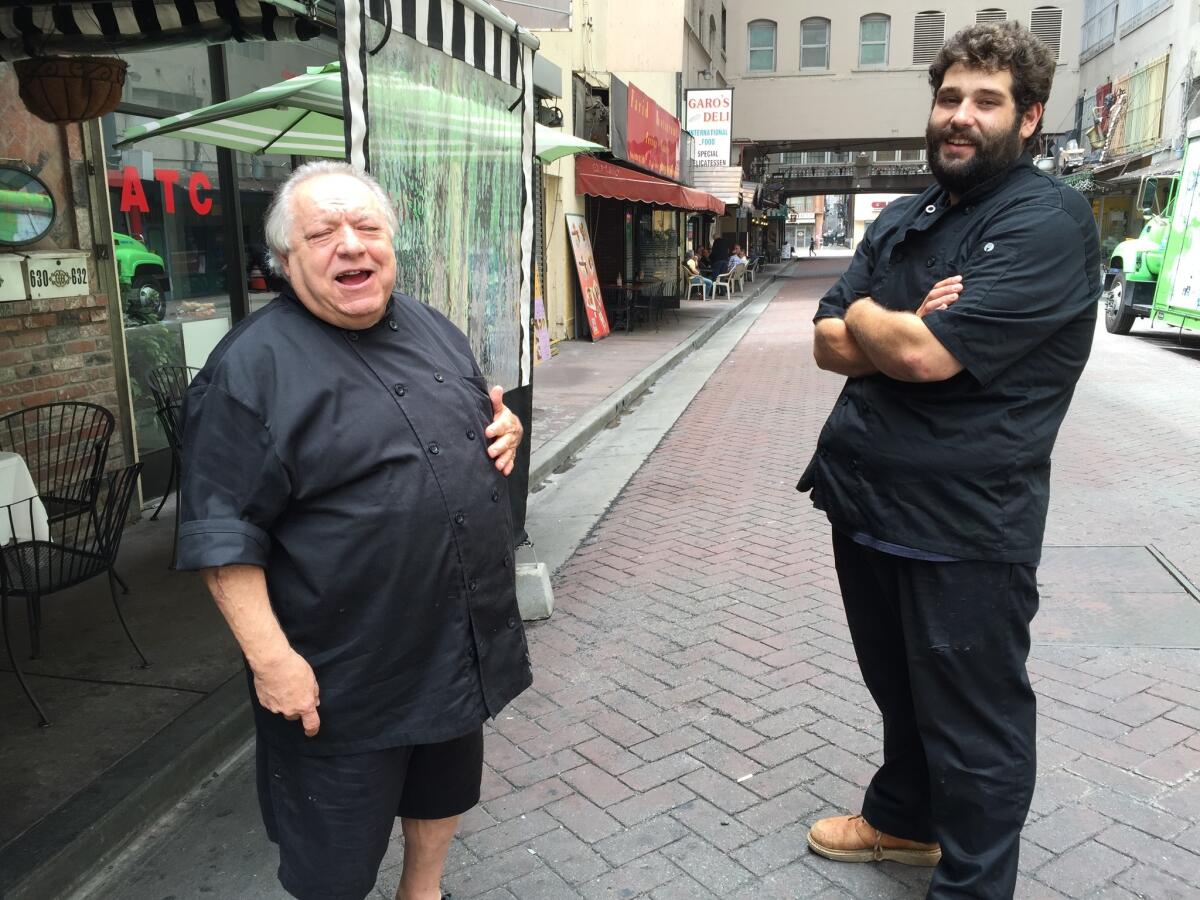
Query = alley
x=697 y=703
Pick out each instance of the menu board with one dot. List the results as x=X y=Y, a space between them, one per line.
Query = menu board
x=589 y=284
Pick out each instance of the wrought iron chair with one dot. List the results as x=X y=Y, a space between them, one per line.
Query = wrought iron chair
x=76 y=548
x=64 y=446
x=648 y=302
x=168 y=384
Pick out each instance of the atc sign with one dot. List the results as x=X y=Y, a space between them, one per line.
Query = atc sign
x=710 y=121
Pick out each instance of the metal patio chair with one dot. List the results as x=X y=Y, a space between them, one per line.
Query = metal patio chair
x=64 y=445
x=75 y=549
x=168 y=384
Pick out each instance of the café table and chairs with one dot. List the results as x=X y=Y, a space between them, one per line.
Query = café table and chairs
x=61 y=515
x=43 y=557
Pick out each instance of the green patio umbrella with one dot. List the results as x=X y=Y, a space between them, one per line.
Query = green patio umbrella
x=553 y=144
x=301 y=116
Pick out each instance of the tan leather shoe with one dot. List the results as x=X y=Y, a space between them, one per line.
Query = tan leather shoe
x=852 y=839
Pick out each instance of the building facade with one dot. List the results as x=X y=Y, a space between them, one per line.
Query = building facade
x=661 y=50
x=1139 y=80
x=854 y=76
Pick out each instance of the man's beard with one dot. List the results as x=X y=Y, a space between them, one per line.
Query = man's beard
x=994 y=154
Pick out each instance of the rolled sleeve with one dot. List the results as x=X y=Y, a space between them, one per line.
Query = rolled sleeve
x=854 y=284
x=233 y=485
x=1024 y=281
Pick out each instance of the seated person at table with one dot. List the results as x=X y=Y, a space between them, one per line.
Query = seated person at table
x=737 y=258
x=693 y=266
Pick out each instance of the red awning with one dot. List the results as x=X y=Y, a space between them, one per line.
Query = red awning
x=602 y=179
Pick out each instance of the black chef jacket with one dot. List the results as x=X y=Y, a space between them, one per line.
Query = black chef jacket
x=352 y=467
x=961 y=467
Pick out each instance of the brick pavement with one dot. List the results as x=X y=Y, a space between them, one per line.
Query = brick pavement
x=696 y=699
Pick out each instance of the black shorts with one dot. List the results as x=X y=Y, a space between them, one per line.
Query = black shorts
x=332 y=816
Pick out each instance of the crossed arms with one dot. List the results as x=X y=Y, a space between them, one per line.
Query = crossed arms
x=874 y=339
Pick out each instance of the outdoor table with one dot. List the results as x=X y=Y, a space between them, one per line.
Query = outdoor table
x=23 y=521
x=629 y=289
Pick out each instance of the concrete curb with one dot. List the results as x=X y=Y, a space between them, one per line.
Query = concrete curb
x=70 y=845
x=574 y=437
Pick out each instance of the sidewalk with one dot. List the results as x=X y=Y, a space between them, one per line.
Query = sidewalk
x=126 y=743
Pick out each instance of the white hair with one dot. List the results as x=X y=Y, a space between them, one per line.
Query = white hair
x=280 y=218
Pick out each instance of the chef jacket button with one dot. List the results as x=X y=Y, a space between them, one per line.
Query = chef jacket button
x=495 y=495
x=400 y=390
x=459 y=518
x=434 y=448
x=507 y=562
x=470 y=434
x=473 y=585
x=439 y=377
x=930 y=263
x=471 y=652
x=931 y=209
x=353 y=335
x=392 y=324
x=512 y=623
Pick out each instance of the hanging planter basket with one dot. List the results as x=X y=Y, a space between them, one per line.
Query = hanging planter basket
x=61 y=89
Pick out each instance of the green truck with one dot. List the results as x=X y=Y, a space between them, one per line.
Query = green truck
x=1156 y=275
x=143 y=279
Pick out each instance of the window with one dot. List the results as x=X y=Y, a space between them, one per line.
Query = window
x=1046 y=23
x=929 y=33
x=912 y=155
x=1135 y=12
x=814 y=44
x=873 y=39
x=760 y=46
x=712 y=33
x=1099 y=27
x=991 y=15
x=724 y=22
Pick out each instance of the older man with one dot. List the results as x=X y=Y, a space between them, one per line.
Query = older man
x=344 y=496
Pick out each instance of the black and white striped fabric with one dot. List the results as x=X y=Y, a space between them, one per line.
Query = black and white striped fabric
x=455 y=28
x=28 y=29
x=476 y=34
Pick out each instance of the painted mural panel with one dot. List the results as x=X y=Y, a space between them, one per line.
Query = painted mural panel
x=446 y=146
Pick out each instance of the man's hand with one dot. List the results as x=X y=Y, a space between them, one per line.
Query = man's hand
x=288 y=687
x=941 y=295
x=505 y=432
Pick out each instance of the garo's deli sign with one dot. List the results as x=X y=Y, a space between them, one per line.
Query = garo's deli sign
x=710 y=122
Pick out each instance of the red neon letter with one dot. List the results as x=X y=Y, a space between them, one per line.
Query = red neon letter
x=167 y=178
x=132 y=195
x=200 y=205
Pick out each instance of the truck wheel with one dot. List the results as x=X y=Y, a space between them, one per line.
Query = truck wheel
x=149 y=294
x=1116 y=319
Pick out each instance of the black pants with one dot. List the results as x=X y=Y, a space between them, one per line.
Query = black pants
x=942 y=649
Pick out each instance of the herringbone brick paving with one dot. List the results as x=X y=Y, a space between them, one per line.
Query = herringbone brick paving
x=697 y=703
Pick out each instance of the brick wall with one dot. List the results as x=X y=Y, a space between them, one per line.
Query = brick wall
x=59 y=349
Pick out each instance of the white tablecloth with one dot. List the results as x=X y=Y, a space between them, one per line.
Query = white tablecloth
x=27 y=519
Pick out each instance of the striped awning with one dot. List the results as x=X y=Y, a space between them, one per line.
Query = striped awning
x=49 y=28
x=469 y=30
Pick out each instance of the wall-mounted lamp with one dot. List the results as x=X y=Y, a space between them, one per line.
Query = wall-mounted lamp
x=706 y=74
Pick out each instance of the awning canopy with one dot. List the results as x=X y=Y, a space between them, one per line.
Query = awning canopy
x=602 y=179
x=46 y=28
